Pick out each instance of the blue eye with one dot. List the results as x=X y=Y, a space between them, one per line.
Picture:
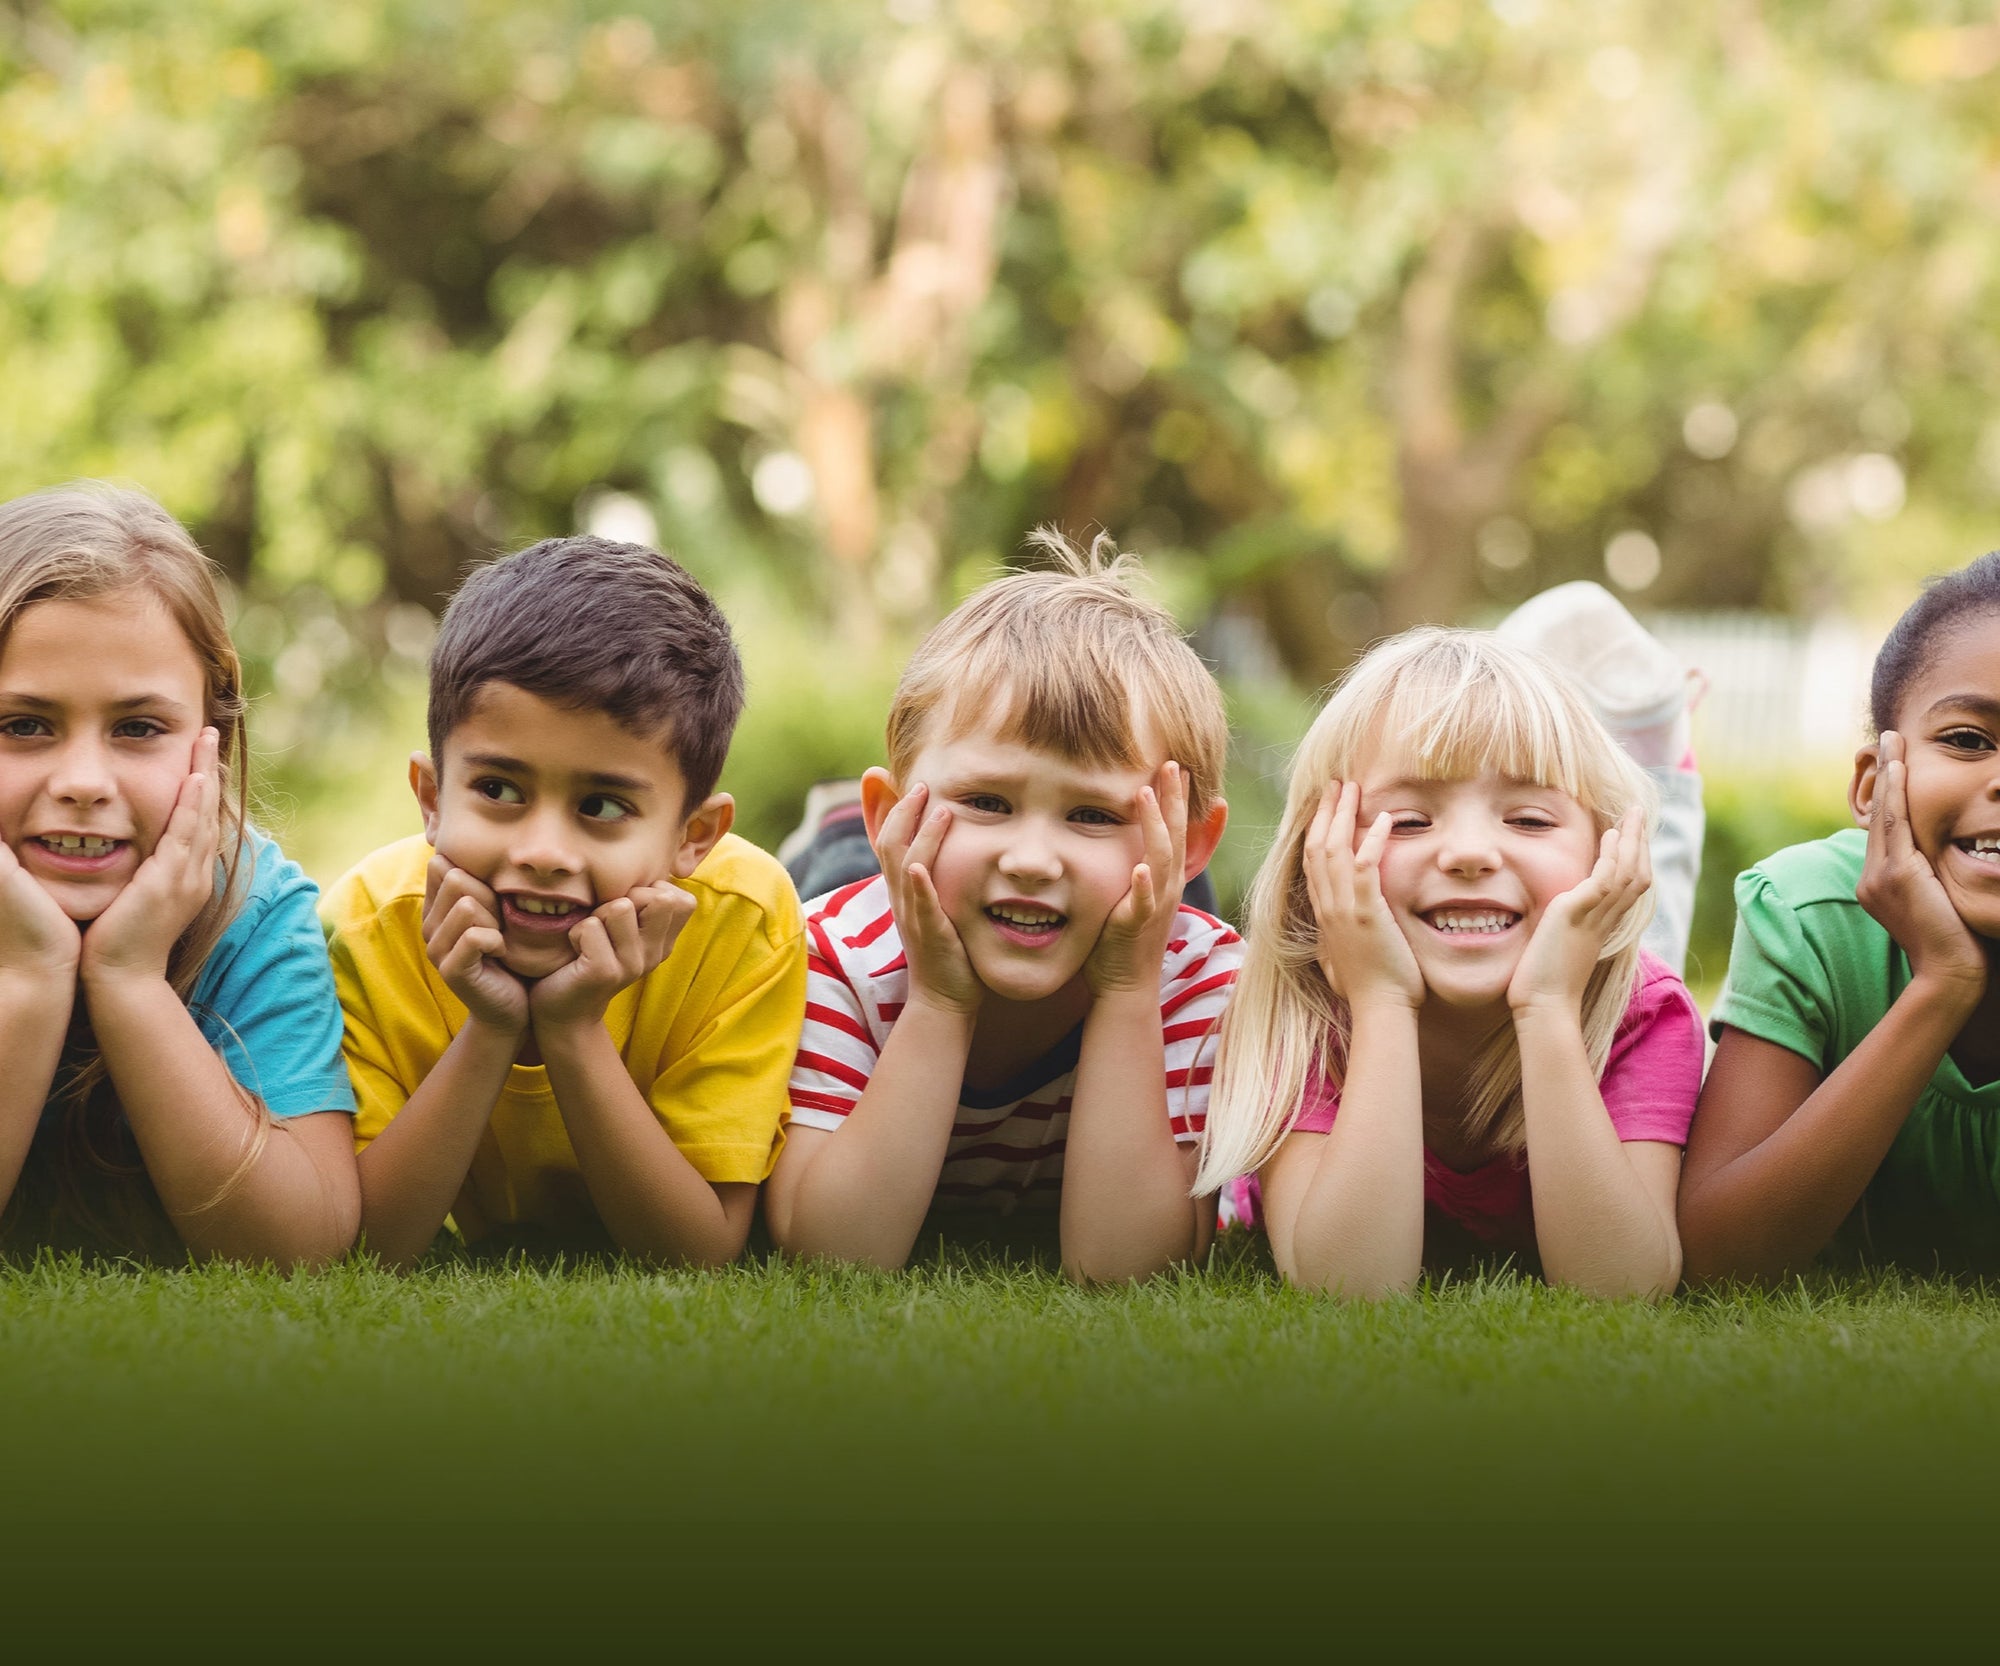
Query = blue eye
x=603 y=807
x=991 y=803
x=1091 y=816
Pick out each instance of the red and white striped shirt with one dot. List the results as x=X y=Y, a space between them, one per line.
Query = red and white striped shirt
x=1006 y=1147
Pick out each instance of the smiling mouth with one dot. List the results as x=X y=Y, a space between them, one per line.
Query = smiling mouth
x=1982 y=848
x=80 y=851
x=1021 y=924
x=1471 y=922
x=541 y=916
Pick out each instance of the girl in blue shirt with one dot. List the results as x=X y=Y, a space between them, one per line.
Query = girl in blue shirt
x=174 y=1081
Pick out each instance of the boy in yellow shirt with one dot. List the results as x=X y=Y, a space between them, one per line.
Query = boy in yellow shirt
x=577 y=996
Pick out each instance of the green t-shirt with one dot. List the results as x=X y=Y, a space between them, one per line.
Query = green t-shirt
x=1812 y=972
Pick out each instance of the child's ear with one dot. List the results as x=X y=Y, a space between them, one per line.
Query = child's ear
x=879 y=795
x=702 y=831
x=1861 y=790
x=424 y=783
x=1204 y=833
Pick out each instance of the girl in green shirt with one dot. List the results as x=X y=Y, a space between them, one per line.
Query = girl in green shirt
x=1855 y=1094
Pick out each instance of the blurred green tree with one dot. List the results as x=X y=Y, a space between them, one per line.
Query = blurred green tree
x=1351 y=315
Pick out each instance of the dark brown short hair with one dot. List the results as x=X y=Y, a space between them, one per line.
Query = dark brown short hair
x=595 y=626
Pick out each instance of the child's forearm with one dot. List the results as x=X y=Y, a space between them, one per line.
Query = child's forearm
x=1126 y=1212
x=196 y=1129
x=412 y=1172
x=1598 y=1226
x=1358 y=1229
x=1770 y=1209
x=652 y=1200
x=34 y=1017
x=865 y=1193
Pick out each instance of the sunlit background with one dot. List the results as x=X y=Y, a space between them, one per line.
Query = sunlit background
x=1346 y=316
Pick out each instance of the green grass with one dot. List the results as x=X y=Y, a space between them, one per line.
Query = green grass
x=513 y=1454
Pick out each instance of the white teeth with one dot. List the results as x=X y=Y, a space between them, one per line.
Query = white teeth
x=79 y=844
x=1025 y=916
x=539 y=905
x=1472 y=922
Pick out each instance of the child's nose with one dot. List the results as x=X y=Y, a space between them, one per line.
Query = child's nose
x=544 y=846
x=82 y=774
x=1467 y=846
x=1031 y=853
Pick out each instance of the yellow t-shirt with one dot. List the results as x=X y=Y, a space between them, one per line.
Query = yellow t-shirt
x=708 y=1036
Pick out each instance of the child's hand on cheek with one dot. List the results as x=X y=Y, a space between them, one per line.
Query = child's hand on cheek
x=36 y=937
x=1555 y=967
x=135 y=935
x=617 y=944
x=463 y=938
x=908 y=846
x=1362 y=950
x=1901 y=890
x=1134 y=940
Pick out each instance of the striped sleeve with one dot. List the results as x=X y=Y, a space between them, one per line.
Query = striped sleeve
x=837 y=1052
x=1196 y=980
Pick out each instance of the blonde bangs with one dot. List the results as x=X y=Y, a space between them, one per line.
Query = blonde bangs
x=1451 y=717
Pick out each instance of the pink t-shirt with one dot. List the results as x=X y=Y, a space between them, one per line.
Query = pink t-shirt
x=1650 y=1084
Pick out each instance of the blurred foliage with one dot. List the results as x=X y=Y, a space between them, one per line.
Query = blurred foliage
x=1347 y=315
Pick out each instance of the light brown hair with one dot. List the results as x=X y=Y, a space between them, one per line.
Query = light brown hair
x=1068 y=660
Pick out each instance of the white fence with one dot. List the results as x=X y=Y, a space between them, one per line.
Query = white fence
x=1779 y=690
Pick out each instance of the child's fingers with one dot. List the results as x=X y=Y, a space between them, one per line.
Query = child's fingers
x=620 y=917
x=1141 y=897
x=1901 y=844
x=478 y=944
x=1173 y=797
x=1635 y=861
x=924 y=894
x=930 y=836
x=1340 y=849
x=899 y=827
x=453 y=923
x=456 y=886
x=663 y=910
x=1366 y=863
x=592 y=943
x=1319 y=828
x=435 y=871
x=1887 y=829
x=1157 y=831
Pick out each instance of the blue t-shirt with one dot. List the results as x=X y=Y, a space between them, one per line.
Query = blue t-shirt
x=265 y=998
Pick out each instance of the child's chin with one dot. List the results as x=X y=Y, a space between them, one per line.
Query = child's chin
x=82 y=903
x=537 y=963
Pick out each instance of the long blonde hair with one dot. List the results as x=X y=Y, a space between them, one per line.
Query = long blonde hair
x=79 y=543
x=1456 y=704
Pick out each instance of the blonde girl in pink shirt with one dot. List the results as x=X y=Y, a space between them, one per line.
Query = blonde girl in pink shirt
x=1446 y=1038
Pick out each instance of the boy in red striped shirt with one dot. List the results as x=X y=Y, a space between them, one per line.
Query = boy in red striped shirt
x=1018 y=1011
